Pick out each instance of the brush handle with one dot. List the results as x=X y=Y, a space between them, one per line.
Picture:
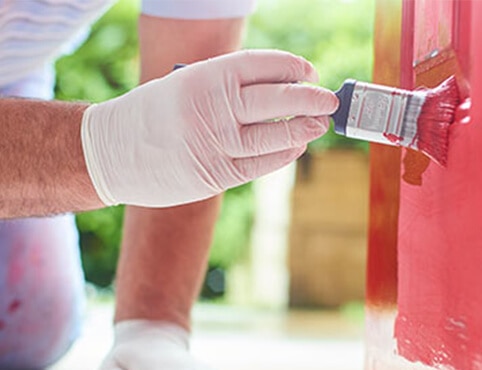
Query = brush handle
x=178 y=66
x=340 y=117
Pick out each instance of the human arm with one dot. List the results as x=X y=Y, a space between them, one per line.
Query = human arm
x=42 y=166
x=175 y=140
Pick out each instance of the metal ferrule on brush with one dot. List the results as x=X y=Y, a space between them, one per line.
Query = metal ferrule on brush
x=380 y=114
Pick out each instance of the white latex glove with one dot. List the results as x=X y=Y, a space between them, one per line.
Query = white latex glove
x=150 y=345
x=201 y=129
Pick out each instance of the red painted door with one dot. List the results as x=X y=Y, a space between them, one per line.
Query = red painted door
x=434 y=268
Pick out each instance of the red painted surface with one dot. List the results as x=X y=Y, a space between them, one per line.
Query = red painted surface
x=436 y=118
x=439 y=242
x=381 y=292
x=433 y=24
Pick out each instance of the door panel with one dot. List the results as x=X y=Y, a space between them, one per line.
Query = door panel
x=439 y=246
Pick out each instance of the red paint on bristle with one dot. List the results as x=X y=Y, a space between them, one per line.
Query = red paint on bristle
x=435 y=118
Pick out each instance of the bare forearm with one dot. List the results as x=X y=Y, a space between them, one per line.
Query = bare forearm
x=165 y=251
x=165 y=42
x=42 y=166
x=163 y=260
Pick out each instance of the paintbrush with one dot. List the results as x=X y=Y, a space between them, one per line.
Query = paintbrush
x=418 y=119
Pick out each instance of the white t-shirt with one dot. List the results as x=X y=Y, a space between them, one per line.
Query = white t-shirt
x=198 y=9
x=33 y=33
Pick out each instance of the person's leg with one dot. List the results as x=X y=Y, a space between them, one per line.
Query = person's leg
x=41 y=280
x=41 y=291
x=165 y=251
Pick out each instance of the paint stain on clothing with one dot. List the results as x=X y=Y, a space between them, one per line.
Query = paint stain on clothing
x=14 y=306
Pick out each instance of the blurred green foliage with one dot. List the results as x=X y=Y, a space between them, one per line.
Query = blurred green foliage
x=100 y=236
x=336 y=35
x=106 y=65
x=232 y=233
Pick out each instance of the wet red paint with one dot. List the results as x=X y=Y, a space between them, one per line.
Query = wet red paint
x=462 y=114
x=439 y=243
x=14 y=306
x=393 y=138
x=415 y=164
x=431 y=35
x=435 y=118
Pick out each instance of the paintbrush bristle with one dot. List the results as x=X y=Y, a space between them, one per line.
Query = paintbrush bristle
x=436 y=115
x=417 y=119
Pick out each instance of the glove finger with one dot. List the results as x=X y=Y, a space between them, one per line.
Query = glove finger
x=269 y=137
x=267 y=101
x=254 y=167
x=262 y=66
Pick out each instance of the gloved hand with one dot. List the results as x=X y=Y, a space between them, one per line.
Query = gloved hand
x=150 y=345
x=202 y=129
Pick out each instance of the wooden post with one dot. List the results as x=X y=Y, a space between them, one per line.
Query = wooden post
x=381 y=291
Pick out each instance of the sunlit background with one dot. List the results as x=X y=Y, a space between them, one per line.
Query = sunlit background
x=285 y=283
